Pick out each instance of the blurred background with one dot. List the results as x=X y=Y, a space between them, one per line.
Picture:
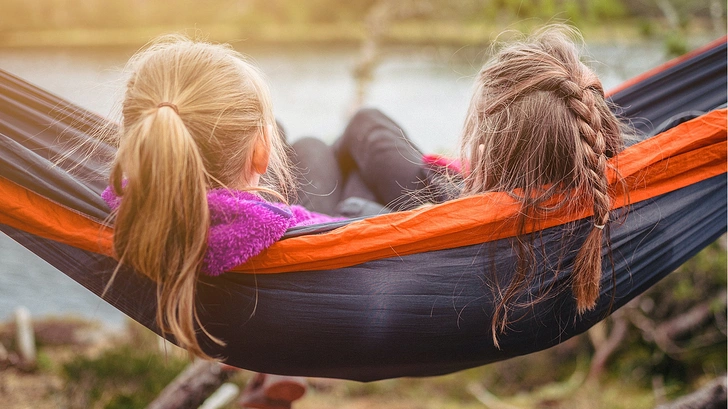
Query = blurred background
x=415 y=60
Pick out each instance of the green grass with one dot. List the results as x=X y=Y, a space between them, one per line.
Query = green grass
x=126 y=376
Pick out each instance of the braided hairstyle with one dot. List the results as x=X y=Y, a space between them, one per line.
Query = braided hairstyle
x=540 y=128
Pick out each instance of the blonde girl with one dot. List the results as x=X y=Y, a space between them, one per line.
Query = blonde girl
x=540 y=128
x=197 y=133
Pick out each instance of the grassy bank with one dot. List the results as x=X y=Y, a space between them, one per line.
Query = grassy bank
x=413 y=32
x=127 y=371
x=130 y=371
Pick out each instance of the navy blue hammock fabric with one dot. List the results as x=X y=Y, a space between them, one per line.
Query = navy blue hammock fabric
x=421 y=314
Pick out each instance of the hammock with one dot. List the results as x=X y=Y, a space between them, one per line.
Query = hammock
x=402 y=294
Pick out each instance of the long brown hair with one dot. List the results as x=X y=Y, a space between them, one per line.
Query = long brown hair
x=191 y=115
x=540 y=128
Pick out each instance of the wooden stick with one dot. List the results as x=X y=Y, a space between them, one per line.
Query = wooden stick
x=223 y=396
x=192 y=387
x=25 y=337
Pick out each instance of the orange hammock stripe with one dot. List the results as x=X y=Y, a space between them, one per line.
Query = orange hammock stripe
x=28 y=211
x=689 y=153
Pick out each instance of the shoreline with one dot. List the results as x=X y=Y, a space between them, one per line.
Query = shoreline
x=404 y=33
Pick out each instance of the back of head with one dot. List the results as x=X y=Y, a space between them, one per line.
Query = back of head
x=218 y=96
x=540 y=128
x=537 y=115
x=192 y=114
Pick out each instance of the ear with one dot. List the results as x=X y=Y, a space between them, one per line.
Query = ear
x=261 y=151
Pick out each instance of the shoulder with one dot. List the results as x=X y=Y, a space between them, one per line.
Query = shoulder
x=304 y=217
x=110 y=197
x=241 y=226
x=239 y=207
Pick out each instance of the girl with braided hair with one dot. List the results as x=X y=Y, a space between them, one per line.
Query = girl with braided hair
x=540 y=128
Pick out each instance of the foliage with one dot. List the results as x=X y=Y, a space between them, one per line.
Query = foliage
x=126 y=376
x=65 y=14
x=699 y=352
x=423 y=22
x=573 y=10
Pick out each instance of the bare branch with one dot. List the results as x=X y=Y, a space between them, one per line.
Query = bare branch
x=665 y=334
x=670 y=13
x=694 y=318
x=608 y=346
x=378 y=20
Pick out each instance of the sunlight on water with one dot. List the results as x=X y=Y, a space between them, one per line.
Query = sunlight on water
x=26 y=280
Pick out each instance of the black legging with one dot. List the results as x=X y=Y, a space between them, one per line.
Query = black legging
x=372 y=160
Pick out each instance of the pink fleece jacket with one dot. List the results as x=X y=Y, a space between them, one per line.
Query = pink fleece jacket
x=242 y=225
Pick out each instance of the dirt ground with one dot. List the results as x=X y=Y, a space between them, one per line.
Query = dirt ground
x=41 y=386
x=36 y=389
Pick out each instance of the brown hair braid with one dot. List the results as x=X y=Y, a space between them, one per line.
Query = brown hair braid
x=540 y=128
x=588 y=263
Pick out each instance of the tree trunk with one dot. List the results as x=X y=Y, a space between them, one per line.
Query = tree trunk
x=670 y=13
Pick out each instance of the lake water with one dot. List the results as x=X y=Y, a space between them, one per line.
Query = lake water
x=425 y=90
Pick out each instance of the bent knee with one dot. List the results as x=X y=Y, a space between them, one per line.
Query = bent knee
x=364 y=115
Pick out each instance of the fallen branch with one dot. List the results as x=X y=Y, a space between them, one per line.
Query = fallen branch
x=191 y=387
x=710 y=396
x=487 y=398
x=554 y=391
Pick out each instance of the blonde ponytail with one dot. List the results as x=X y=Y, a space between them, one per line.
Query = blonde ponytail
x=162 y=223
x=192 y=113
